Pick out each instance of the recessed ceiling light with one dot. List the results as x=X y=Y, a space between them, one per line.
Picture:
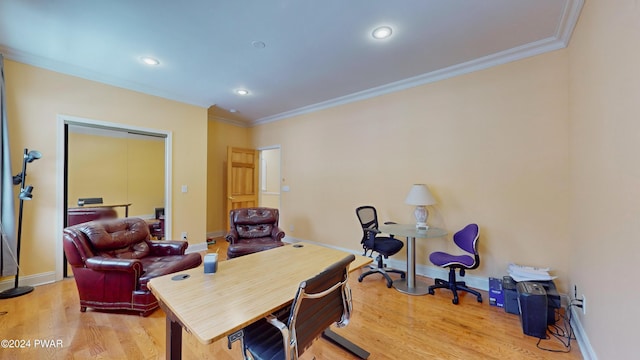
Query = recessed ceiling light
x=381 y=32
x=242 y=92
x=150 y=61
x=258 y=44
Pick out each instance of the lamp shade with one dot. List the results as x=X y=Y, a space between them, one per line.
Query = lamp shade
x=420 y=195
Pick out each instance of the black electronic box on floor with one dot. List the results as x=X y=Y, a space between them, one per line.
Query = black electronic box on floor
x=537 y=302
x=510 y=295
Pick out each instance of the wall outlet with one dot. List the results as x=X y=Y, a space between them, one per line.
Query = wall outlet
x=183 y=235
x=584 y=305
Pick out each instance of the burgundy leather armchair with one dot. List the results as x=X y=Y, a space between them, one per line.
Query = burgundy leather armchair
x=252 y=230
x=113 y=260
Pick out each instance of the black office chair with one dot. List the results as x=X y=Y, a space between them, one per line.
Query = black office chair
x=320 y=301
x=385 y=246
x=467 y=240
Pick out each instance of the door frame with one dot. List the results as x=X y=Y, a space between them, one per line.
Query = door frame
x=260 y=174
x=61 y=155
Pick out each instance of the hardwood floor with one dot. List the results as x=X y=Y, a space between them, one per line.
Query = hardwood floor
x=389 y=324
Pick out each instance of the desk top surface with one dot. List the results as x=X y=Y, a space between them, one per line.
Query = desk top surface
x=244 y=289
x=102 y=205
x=409 y=230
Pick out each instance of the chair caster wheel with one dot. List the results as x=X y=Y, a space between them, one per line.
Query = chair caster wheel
x=431 y=292
x=360 y=279
x=455 y=301
x=479 y=299
x=402 y=276
x=389 y=284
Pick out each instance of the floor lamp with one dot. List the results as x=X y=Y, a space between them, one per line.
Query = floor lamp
x=25 y=194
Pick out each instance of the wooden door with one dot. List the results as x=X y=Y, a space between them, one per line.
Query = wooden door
x=242 y=179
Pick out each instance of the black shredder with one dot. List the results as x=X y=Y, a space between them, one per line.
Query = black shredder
x=532 y=300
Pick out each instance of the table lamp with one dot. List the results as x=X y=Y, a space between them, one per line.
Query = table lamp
x=420 y=196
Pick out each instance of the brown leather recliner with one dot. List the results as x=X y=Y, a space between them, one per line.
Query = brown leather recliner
x=252 y=230
x=112 y=261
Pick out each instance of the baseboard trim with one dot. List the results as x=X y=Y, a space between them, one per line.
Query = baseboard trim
x=433 y=272
x=292 y=240
x=50 y=276
x=581 y=337
x=29 y=280
x=215 y=234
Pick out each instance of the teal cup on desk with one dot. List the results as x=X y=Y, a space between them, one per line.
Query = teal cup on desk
x=210 y=263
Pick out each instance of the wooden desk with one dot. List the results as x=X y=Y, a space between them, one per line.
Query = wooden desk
x=244 y=290
x=125 y=206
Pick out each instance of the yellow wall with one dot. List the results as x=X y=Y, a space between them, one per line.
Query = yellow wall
x=220 y=136
x=121 y=170
x=605 y=173
x=36 y=97
x=145 y=168
x=492 y=146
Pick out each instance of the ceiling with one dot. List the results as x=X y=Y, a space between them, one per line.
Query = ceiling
x=316 y=54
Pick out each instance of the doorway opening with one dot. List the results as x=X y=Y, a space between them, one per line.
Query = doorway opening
x=133 y=176
x=270 y=175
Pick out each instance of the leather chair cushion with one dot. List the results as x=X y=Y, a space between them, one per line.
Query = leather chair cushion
x=253 y=216
x=119 y=238
x=387 y=246
x=254 y=231
x=254 y=245
x=163 y=265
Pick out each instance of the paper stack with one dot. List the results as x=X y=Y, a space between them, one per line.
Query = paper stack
x=529 y=273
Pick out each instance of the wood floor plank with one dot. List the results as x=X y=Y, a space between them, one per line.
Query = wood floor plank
x=385 y=322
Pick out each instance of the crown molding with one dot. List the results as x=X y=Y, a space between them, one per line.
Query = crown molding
x=225 y=120
x=569 y=20
x=84 y=73
x=558 y=41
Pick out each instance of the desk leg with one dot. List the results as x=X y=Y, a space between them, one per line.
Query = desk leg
x=345 y=344
x=410 y=285
x=173 y=335
x=174 y=339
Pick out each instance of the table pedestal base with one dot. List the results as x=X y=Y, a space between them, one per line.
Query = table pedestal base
x=346 y=344
x=420 y=288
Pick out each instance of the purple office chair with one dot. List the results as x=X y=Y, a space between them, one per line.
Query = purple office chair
x=467 y=240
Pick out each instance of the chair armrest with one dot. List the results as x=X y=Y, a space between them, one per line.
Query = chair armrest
x=289 y=346
x=100 y=263
x=167 y=247
x=374 y=231
x=390 y=223
x=277 y=233
x=369 y=240
x=232 y=236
